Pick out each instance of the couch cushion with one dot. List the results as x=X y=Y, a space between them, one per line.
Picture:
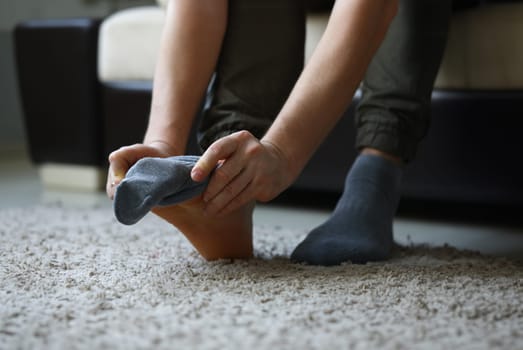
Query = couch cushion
x=162 y=3
x=485 y=49
x=129 y=43
x=315 y=26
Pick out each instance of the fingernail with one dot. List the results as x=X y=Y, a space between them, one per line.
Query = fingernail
x=196 y=173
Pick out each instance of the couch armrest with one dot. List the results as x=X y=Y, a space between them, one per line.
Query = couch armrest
x=56 y=62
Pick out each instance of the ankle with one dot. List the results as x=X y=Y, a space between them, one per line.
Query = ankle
x=376 y=152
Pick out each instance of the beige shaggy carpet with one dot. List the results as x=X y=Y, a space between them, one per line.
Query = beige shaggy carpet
x=76 y=279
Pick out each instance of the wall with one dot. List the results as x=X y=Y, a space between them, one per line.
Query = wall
x=12 y=135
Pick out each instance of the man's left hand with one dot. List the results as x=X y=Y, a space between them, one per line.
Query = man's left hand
x=245 y=169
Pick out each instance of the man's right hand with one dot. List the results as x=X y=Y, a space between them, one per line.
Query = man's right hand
x=124 y=158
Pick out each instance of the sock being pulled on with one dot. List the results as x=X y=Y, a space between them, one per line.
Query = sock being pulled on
x=155 y=181
x=360 y=228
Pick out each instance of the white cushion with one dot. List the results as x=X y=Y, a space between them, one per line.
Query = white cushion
x=315 y=26
x=485 y=49
x=162 y=3
x=129 y=42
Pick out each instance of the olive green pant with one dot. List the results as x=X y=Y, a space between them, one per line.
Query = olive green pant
x=263 y=53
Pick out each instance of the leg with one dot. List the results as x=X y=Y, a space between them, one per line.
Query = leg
x=392 y=118
x=260 y=59
x=191 y=43
x=394 y=113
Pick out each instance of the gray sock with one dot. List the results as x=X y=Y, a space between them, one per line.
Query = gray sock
x=360 y=228
x=155 y=181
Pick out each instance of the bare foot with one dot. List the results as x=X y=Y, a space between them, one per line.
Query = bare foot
x=214 y=238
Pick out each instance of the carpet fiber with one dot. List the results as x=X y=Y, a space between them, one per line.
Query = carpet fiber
x=76 y=279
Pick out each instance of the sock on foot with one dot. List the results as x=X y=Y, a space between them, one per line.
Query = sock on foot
x=360 y=228
x=155 y=181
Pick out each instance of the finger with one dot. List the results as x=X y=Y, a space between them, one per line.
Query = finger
x=122 y=159
x=118 y=168
x=112 y=182
x=242 y=199
x=119 y=163
x=224 y=174
x=109 y=188
x=112 y=178
x=228 y=193
x=221 y=149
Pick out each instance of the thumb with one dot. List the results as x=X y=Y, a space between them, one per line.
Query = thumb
x=118 y=168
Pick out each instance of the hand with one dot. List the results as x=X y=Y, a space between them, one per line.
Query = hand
x=124 y=158
x=247 y=170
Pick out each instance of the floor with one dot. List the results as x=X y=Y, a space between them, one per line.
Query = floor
x=20 y=186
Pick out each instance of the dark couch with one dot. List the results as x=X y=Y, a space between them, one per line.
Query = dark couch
x=472 y=154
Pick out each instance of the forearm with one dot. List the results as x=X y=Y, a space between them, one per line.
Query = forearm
x=190 y=46
x=326 y=86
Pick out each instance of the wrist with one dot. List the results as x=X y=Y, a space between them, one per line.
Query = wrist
x=373 y=151
x=164 y=146
x=169 y=135
x=290 y=171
